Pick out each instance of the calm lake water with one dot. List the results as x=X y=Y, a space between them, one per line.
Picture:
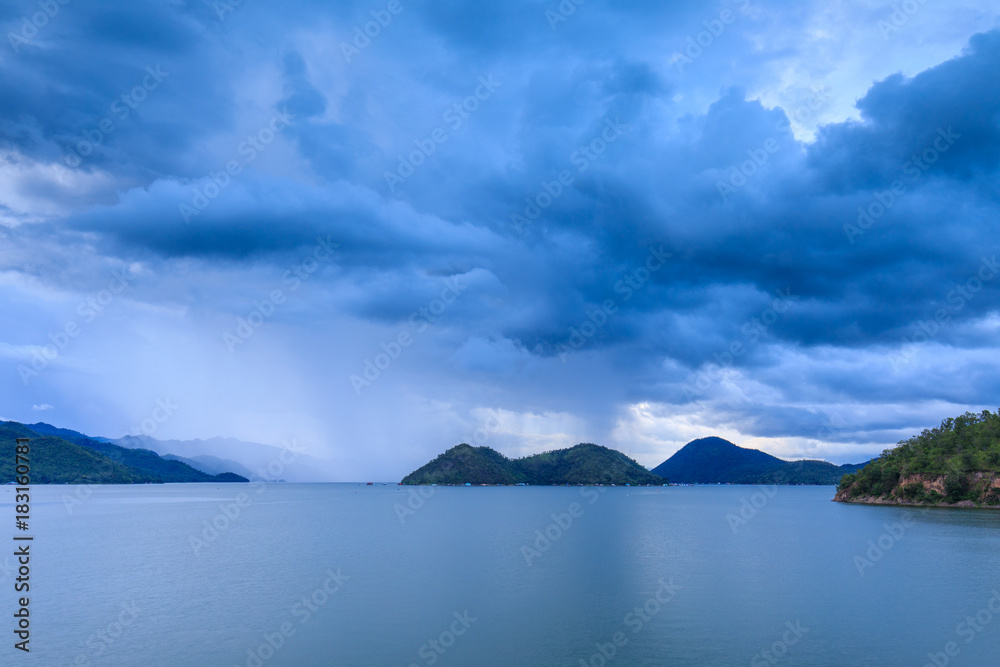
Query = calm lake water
x=339 y=574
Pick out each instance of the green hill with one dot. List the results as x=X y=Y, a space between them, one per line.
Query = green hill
x=61 y=456
x=464 y=463
x=819 y=473
x=717 y=461
x=142 y=460
x=957 y=463
x=582 y=464
x=55 y=461
x=586 y=464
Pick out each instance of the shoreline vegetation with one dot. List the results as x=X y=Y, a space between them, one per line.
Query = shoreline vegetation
x=954 y=465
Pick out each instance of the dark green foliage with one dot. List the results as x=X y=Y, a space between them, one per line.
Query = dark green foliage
x=820 y=473
x=464 y=463
x=142 y=460
x=882 y=480
x=54 y=460
x=931 y=497
x=149 y=462
x=955 y=450
x=585 y=464
x=229 y=477
x=718 y=461
x=956 y=486
x=582 y=464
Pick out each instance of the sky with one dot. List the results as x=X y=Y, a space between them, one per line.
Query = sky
x=379 y=229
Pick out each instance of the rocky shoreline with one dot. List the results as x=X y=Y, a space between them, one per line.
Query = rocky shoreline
x=929 y=490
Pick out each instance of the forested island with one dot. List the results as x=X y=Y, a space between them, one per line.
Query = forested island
x=956 y=464
x=583 y=464
x=709 y=460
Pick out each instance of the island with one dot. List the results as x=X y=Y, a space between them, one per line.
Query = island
x=586 y=464
x=954 y=465
x=710 y=460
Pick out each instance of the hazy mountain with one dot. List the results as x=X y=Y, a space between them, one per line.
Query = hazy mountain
x=53 y=460
x=717 y=461
x=66 y=434
x=213 y=465
x=57 y=460
x=144 y=461
x=262 y=461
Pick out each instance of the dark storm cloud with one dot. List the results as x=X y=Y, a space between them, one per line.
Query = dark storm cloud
x=783 y=229
x=131 y=89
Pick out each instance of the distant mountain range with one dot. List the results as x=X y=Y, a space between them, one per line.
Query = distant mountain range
x=61 y=456
x=703 y=461
x=141 y=459
x=213 y=465
x=582 y=464
x=249 y=459
x=73 y=457
x=718 y=461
